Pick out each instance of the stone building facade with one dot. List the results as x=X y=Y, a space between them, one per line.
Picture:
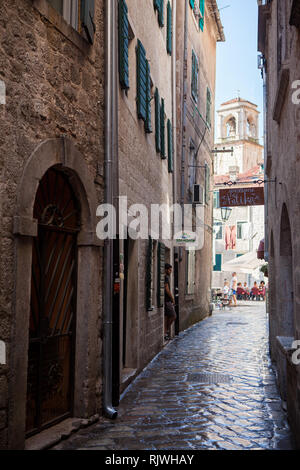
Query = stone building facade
x=198 y=30
x=51 y=139
x=145 y=173
x=238 y=129
x=56 y=96
x=279 y=45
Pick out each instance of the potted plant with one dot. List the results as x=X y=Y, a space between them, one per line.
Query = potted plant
x=264 y=269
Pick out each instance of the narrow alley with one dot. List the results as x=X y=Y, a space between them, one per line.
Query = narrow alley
x=210 y=388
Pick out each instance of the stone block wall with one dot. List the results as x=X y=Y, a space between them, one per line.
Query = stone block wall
x=54 y=87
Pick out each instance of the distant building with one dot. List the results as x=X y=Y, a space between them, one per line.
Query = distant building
x=238 y=127
x=198 y=31
x=279 y=45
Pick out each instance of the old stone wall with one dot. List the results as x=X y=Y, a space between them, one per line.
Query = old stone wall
x=283 y=136
x=54 y=87
x=195 y=307
x=143 y=174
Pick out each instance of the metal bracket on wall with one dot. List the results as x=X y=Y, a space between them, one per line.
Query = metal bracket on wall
x=259 y=182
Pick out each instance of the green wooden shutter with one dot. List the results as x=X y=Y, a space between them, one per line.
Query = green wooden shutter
x=207 y=183
x=218 y=263
x=169 y=28
x=192 y=3
x=156 y=4
x=202 y=11
x=123 y=45
x=141 y=81
x=161 y=14
x=195 y=70
x=87 y=18
x=208 y=107
x=170 y=147
x=157 y=121
x=162 y=130
x=149 y=267
x=148 y=127
x=161 y=250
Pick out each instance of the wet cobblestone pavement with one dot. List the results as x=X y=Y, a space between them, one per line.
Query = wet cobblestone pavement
x=210 y=388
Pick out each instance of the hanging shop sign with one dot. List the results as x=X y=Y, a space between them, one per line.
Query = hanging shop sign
x=235 y=197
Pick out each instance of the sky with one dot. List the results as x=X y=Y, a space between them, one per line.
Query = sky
x=237 y=56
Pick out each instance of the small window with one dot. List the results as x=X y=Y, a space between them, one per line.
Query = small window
x=218 y=228
x=79 y=14
x=195 y=71
x=231 y=127
x=190 y=271
x=192 y=167
x=208 y=107
x=68 y=9
x=241 y=230
x=216 y=199
x=218 y=263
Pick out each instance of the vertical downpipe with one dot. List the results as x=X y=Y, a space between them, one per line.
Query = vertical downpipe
x=110 y=48
x=184 y=111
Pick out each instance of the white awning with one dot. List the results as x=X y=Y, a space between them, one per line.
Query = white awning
x=245 y=264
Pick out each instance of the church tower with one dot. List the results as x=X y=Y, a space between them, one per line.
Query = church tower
x=238 y=127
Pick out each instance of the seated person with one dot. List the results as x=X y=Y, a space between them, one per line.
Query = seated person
x=240 y=291
x=254 y=292
x=226 y=290
x=262 y=290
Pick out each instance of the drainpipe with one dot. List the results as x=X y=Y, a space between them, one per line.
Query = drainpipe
x=174 y=114
x=110 y=135
x=184 y=109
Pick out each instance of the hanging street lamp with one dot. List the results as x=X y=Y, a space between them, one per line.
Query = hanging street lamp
x=225 y=213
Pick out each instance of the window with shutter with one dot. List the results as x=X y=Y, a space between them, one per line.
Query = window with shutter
x=208 y=107
x=161 y=14
x=148 y=127
x=170 y=147
x=149 y=275
x=190 y=271
x=218 y=263
x=192 y=3
x=157 y=121
x=123 y=45
x=207 y=183
x=216 y=199
x=160 y=274
x=143 y=87
x=162 y=130
x=169 y=28
x=87 y=18
x=159 y=6
x=195 y=70
x=202 y=11
x=69 y=9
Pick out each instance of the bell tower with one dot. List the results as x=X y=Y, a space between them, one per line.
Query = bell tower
x=238 y=127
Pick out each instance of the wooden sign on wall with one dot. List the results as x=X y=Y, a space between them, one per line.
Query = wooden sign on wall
x=235 y=197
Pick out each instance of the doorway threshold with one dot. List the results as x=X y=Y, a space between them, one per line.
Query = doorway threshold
x=55 y=434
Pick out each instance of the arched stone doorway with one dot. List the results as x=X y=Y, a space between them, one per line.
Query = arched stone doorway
x=61 y=156
x=50 y=377
x=273 y=320
x=286 y=283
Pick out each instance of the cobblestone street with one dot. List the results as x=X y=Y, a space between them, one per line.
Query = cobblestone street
x=210 y=388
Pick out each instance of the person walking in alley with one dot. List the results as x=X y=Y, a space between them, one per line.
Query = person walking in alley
x=170 y=314
x=233 y=289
